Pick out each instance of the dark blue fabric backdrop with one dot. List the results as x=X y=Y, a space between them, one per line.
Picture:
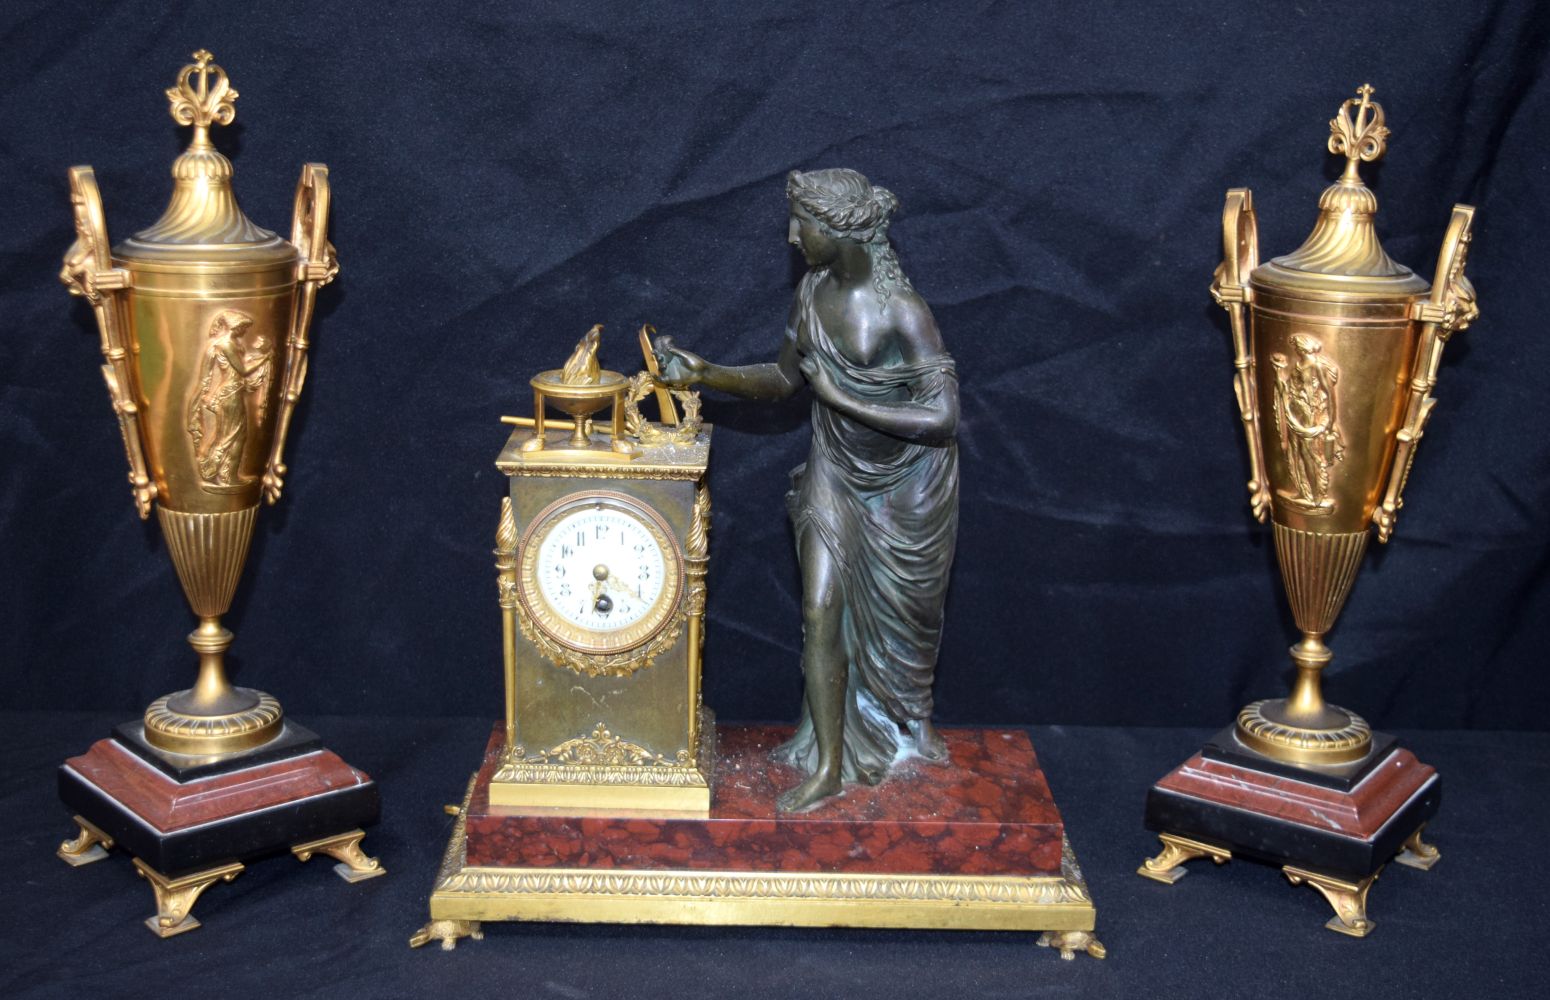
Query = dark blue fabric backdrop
x=505 y=175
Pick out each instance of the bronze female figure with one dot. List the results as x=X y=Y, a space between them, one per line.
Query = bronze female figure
x=875 y=507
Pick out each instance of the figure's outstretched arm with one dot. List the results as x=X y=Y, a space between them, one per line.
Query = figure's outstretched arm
x=773 y=380
x=928 y=421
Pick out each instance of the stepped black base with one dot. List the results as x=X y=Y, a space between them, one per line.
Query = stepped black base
x=1332 y=827
x=190 y=821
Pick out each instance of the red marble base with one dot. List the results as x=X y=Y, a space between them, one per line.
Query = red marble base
x=988 y=812
x=974 y=843
x=1361 y=812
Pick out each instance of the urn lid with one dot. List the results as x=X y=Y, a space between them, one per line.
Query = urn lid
x=1342 y=255
x=203 y=223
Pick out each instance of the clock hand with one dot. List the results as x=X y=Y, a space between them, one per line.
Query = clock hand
x=601 y=602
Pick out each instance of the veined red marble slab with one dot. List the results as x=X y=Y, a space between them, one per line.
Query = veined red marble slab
x=169 y=806
x=1361 y=812
x=988 y=812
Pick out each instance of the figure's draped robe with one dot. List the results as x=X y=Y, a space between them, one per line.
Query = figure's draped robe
x=886 y=509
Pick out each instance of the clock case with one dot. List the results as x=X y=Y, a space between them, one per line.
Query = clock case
x=623 y=730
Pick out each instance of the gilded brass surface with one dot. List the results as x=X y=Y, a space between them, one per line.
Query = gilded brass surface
x=1336 y=350
x=1417 y=853
x=345 y=848
x=795 y=899
x=175 y=897
x=447 y=932
x=1071 y=942
x=91 y=844
x=506 y=593
x=1339 y=744
x=565 y=643
x=1168 y=866
x=1348 y=898
x=581 y=388
x=203 y=318
x=188 y=732
x=601 y=774
x=600 y=563
x=665 y=408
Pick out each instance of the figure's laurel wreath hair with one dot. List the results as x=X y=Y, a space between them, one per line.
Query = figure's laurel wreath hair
x=848 y=206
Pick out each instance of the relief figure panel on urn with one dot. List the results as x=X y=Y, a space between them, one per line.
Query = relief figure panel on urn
x=210 y=382
x=1327 y=462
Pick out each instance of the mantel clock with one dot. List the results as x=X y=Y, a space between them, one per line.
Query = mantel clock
x=610 y=796
x=601 y=552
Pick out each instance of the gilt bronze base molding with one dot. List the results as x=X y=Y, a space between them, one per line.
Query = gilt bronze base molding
x=975 y=846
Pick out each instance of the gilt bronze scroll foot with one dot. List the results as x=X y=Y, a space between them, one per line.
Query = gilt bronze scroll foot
x=91 y=844
x=1349 y=899
x=1417 y=853
x=1168 y=867
x=353 y=866
x=175 y=896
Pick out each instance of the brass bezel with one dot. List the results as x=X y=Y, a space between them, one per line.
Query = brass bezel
x=595 y=652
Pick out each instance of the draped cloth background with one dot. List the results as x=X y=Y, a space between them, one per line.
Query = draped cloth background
x=505 y=175
x=886 y=511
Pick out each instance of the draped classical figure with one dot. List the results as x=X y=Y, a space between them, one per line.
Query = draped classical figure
x=875 y=506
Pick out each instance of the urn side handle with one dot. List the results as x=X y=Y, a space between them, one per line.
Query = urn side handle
x=316 y=266
x=1448 y=309
x=89 y=272
x=1230 y=288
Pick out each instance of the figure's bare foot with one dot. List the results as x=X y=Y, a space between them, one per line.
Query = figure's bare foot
x=819 y=786
x=928 y=742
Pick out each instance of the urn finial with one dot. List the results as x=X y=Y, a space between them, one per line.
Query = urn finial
x=209 y=102
x=1360 y=137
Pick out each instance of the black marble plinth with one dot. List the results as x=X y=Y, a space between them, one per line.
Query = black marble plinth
x=293 y=739
x=1225 y=746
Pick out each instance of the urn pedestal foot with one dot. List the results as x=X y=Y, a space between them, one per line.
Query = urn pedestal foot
x=353 y=866
x=1347 y=897
x=191 y=821
x=1417 y=853
x=91 y=844
x=1168 y=867
x=975 y=845
x=1333 y=828
x=175 y=897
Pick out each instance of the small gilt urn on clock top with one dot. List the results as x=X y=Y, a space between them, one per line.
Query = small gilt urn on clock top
x=1337 y=349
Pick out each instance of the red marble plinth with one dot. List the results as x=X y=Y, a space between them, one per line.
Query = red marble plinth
x=1360 y=812
x=170 y=806
x=988 y=812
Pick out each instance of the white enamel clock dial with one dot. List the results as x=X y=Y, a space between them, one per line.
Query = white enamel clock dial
x=599 y=572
